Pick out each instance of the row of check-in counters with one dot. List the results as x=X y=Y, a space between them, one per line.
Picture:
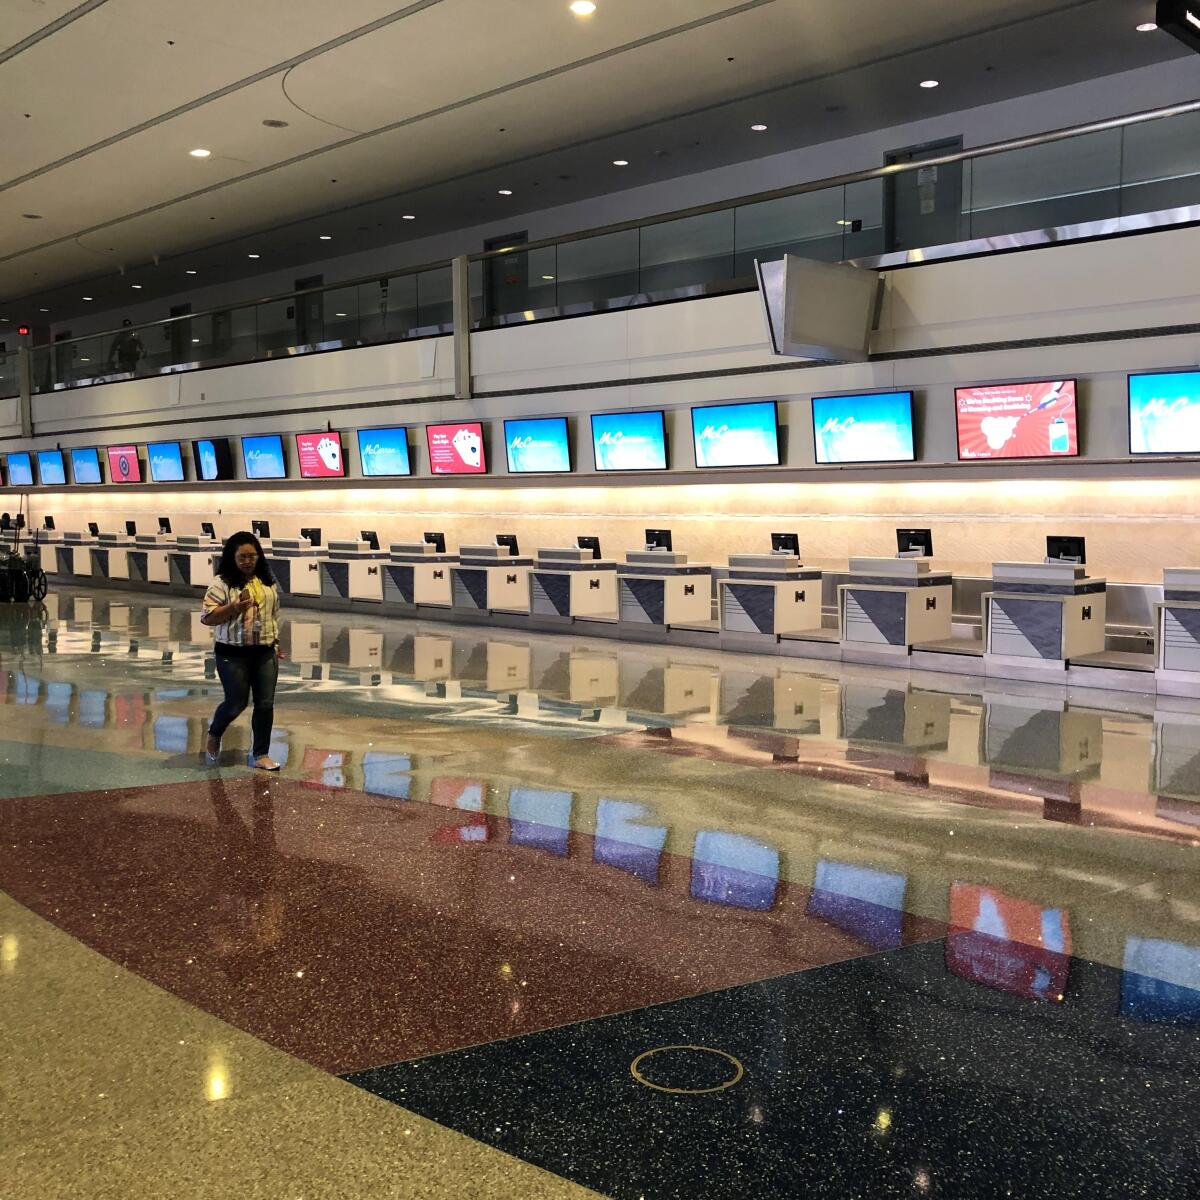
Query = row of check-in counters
x=1041 y=621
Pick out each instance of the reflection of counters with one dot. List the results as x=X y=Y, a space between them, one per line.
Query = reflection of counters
x=1042 y=614
x=1177 y=666
x=416 y=574
x=193 y=562
x=568 y=582
x=1038 y=737
x=296 y=564
x=770 y=594
x=788 y=702
x=658 y=587
x=489 y=579
x=1176 y=771
x=352 y=571
x=508 y=666
x=871 y=714
x=887 y=604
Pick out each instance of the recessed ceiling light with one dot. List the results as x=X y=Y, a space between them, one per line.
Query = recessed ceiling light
x=620 y=162
x=200 y=153
x=137 y=287
x=408 y=217
x=43 y=310
x=505 y=192
x=189 y=272
x=85 y=360
x=582 y=8
x=1147 y=27
x=929 y=83
x=327 y=237
x=254 y=256
x=339 y=314
x=843 y=221
x=87 y=297
x=547 y=276
x=195 y=341
x=759 y=128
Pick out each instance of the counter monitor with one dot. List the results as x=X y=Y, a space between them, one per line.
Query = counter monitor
x=164 y=524
x=915 y=543
x=370 y=537
x=509 y=540
x=93 y=529
x=785 y=543
x=261 y=529
x=1066 y=549
x=48 y=523
x=312 y=533
x=588 y=542
x=131 y=528
x=208 y=529
x=437 y=541
x=658 y=539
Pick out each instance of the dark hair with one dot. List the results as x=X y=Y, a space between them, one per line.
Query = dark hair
x=227 y=568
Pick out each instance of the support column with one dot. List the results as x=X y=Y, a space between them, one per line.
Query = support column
x=460 y=274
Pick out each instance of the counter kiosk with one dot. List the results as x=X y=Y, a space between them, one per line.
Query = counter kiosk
x=770 y=594
x=75 y=558
x=568 y=582
x=194 y=560
x=888 y=604
x=46 y=546
x=417 y=573
x=113 y=557
x=659 y=587
x=490 y=579
x=353 y=571
x=150 y=559
x=296 y=564
x=1177 y=665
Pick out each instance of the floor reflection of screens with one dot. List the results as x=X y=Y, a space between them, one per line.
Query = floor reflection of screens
x=450 y=791
x=1007 y=943
x=93 y=708
x=26 y=689
x=387 y=774
x=864 y=902
x=623 y=840
x=1161 y=981
x=325 y=766
x=58 y=701
x=540 y=819
x=171 y=735
x=728 y=868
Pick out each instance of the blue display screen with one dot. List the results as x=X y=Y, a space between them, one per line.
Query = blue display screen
x=736 y=435
x=212 y=458
x=856 y=429
x=51 y=468
x=1164 y=413
x=632 y=441
x=384 y=451
x=738 y=871
x=20 y=469
x=85 y=465
x=263 y=456
x=166 y=462
x=538 y=446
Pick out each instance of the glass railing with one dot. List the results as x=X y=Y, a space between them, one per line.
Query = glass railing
x=9 y=381
x=369 y=312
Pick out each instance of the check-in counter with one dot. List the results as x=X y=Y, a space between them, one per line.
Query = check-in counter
x=46 y=550
x=770 y=594
x=113 y=557
x=568 y=582
x=150 y=558
x=75 y=556
x=296 y=564
x=660 y=587
x=353 y=571
x=888 y=604
x=415 y=574
x=490 y=579
x=1042 y=613
x=1177 y=664
x=193 y=562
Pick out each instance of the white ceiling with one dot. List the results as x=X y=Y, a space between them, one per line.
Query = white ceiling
x=429 y=105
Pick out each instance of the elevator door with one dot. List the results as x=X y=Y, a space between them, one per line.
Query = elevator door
x=923 y=207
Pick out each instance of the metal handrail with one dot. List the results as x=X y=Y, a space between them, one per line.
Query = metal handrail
x=833 y=181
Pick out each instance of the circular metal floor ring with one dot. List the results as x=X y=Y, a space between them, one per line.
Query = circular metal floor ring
x=738 y=1069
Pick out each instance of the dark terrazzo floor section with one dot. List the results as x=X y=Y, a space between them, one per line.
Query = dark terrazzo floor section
x=910 y=1073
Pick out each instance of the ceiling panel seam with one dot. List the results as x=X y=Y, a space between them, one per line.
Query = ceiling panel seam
x=80 y=10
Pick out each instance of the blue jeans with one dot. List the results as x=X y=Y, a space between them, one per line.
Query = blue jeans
x=244 y=673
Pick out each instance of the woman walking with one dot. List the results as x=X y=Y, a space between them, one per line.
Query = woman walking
x=242 y=605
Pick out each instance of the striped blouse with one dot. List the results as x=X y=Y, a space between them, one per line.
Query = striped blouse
x=258 y=625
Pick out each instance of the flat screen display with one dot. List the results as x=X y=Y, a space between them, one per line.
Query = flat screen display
x=540 y=819
x=538 y=446
x=627 y=838
x=1017 y=420
x=877 y=427
x=85 y=465
x=866 y=903
x=736 y=435
x=320 y=455
x=213 y=458
x=263 y=457
x=124 y=466
x=730 y=869
x=1164 y=413
x=20 y=469
x=1161 y=981
x=166 y=462
x=52 y=470
x=456 y=449
x=384 y=451
x=631 y=441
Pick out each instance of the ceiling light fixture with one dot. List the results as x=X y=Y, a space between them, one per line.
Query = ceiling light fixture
x=86 y=297
x=200 y=153
x=408 y=217
x=189 y=272
x=43 y=310
x=254 y=256
x=759 y=128
x=582 y=8
x=327 y=237
x=1147 y=27
x=547 y=276
x=929 y=83
x=137 y=287
x=505 y=192
x=339 y=314
x=620 y=162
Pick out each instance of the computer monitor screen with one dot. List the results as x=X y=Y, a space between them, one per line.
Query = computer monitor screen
x=93 y=528
x=658 y=539
x=1066 y=549
x=320 y=455
x=629 y=441
x=915 y=541
x=384 y=451
x=313 y=533
x=736 y=435
x=131 y=528
x=785 y=543
x=52 y=470
x=1164 y=413
x=208 y=529
x=124 y=466
x=538 y=446
x=213 y=459
x=509 y=540
x=166 y=462
x=48 y=523
x=85 y=465
x=260 y=529
x=263 y=457
x=370 y=537
x=588 y=542
x=456 y=449
x=20 y=469
x=164 y=524
x=1017 y=420
x=437 y=541
x=877 y=427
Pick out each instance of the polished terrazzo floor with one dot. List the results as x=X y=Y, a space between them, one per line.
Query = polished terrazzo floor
x=527 y=915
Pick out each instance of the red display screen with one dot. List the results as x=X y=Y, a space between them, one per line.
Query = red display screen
x=456 y=449
x=1017 y=420
x=320 y=455
x=124 y=466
